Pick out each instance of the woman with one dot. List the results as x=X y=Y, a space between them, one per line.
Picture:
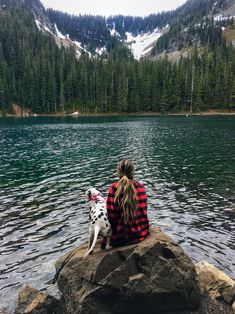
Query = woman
x=127 y=207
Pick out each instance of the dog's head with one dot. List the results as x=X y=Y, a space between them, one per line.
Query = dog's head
x=92 y=193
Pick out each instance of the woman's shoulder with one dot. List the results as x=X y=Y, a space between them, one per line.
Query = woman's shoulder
x=137 y=184
x=114 y=185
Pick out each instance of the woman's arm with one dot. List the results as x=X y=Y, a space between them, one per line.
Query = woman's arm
x=112 y=209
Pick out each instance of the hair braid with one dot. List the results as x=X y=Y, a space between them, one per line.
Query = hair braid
x=125 y=196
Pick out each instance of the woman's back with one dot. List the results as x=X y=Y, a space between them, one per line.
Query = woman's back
x=127 y=228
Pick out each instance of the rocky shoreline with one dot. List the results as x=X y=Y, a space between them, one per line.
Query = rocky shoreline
x=154 y=276
x=20 y=114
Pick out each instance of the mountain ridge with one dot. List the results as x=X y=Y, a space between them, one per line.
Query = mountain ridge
x=138 y=25
x=93 y=34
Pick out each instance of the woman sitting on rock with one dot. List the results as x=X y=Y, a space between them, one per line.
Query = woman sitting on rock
x=127 y=207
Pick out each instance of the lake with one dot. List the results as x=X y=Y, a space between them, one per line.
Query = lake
x=47 y=163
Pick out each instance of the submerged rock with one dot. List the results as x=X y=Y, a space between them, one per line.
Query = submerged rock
x=33 y=301
x=154 y=276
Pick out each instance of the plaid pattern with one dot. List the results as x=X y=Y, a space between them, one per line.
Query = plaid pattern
x=134 y=230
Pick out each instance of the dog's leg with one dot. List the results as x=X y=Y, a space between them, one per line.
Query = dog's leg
x=96 y=233
x=91 y=237
x=107 y=246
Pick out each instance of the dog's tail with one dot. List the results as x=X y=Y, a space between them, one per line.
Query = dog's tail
x=96 y=233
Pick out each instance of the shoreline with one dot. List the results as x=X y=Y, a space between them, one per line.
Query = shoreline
x=115 y=114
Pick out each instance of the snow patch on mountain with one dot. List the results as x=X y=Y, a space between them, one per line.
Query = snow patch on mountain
x=81 y=48
x=142 y=44
x=43 y=28
x=58 y=33
x=100 y=51
x=62 y=40
x=2 y=7
x=113 y=31
x=222 y=17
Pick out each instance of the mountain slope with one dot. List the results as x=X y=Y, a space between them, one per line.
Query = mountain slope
x=144 y=36
x=42 y=72
x=33 y=70
x=156 y=31
x=202 y=29
x=34 y=6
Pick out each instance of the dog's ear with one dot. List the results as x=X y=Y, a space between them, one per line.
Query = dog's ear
x=88 y=195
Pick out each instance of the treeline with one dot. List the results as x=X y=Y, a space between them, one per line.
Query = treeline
x=205 y=81
x=39 y=76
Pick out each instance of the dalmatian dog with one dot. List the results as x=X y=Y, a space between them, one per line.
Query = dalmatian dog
x=99 y=224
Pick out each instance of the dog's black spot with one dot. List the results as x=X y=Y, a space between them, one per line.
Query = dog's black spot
x=93 y=222
x=105 y=218
x=96 y=218
x=100 y=215
x=107 y=225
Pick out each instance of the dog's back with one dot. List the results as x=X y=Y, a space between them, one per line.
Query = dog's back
x=99 y=223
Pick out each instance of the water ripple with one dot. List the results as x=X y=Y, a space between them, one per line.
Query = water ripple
x=46 y=164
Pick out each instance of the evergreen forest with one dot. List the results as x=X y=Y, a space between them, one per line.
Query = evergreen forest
x=43 y=78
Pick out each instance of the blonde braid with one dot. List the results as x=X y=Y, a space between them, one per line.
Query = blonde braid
x=125 y=196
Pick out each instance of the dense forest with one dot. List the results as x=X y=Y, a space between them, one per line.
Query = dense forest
x=95 y=30
x=39 y=76
x=90 y=30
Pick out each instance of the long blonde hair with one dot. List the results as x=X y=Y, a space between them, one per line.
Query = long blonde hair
x=125 y=196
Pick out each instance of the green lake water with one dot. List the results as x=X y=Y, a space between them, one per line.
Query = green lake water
x=46 y=164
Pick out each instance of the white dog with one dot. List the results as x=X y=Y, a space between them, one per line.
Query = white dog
x=98 y=218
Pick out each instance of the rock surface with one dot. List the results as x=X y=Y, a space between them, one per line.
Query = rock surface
x=155 y=275
x=33 y=301
x=217 y=284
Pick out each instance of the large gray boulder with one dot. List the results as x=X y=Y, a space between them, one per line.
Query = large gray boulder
x=151 y=277
x=216 y=283
x=33 y=301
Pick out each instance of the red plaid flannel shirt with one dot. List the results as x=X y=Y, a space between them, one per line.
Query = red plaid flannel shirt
x=134 y=230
